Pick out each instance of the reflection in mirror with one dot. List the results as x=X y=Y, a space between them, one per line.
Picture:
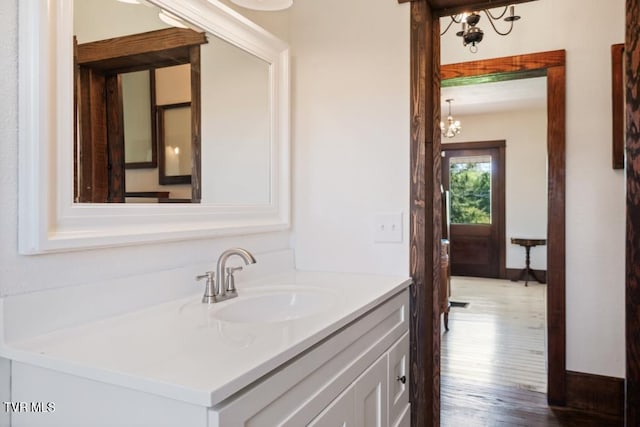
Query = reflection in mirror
x=139 y=120
x=119 y=84
x=228 y=160
x=175 y=143
x=236 y=131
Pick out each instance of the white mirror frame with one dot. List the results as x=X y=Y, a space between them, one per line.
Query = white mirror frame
x=49 y=221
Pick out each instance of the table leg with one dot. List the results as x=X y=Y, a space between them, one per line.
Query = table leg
x=527 y=272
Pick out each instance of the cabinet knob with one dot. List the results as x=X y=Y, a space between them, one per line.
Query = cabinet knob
x=402 y=379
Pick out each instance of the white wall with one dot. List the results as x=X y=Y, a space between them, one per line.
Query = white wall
x=94 y=19
x=595 y=193
x=236 y=125
x=5 y=390
x=351 y=132
x=21 y=274
x=525 y=133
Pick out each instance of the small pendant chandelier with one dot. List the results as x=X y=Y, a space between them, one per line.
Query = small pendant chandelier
x=452 y=127
x=472 y=34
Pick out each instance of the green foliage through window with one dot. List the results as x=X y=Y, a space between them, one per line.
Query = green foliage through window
x=470 y=190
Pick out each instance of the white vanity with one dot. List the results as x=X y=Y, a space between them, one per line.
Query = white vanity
x=293 y=349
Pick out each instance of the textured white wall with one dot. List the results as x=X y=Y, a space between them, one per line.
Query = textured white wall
x=595 y=193
x=351 y=132
x=525 y=133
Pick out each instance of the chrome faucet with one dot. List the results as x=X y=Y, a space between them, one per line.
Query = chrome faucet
x=221 y=286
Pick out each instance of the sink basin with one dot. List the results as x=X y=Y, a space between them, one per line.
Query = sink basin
x=274 y=306
x=268 y=304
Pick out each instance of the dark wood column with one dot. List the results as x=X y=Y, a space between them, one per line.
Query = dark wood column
x=556 y=216
x=425 y=215
x=632 y=67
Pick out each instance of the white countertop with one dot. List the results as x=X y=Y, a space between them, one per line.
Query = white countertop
x=179 y=350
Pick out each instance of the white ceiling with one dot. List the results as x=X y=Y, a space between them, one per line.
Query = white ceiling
x=495 y=97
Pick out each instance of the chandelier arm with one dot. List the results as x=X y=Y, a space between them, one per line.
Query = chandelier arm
x=457 y=21
x=496 y=29
x=490 y=15
x=448 y=26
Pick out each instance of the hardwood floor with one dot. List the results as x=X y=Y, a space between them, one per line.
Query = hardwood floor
x=499 y=338
x=493 y=359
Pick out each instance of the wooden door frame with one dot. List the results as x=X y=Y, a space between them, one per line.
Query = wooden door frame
x=499 y=202
x=426 y=226
x=632 y=90
x=553 y=65
x=425 y=216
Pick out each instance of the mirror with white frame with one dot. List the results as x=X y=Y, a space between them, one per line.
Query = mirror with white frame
x=243 y=125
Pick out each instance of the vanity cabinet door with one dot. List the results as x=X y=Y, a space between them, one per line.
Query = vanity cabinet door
x=339 y=413
x=363 y=404
x=371 y=396
x=398 y=379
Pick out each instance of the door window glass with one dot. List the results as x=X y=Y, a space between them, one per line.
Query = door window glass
x=470 y=189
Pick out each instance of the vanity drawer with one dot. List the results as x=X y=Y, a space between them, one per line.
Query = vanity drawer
x=301 y=389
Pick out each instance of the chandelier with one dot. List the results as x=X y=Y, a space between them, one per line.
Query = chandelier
x=472 y=34
x=452 y=127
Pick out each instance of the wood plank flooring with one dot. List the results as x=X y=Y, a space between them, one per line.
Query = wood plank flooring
x=499 y=338
x=493 y=359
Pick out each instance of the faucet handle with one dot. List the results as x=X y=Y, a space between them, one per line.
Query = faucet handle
x=209 y=292
x=209 y=275
x=231 y=280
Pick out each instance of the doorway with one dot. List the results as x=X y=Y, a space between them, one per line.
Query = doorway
x=426 y=232
x=553 y=65
x=473 y=175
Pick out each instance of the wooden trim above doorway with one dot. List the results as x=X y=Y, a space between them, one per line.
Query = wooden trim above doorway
x=508 y=64
x=153 y=49
x=451 y=7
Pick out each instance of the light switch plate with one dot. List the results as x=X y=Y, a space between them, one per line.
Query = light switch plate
x=387 y=227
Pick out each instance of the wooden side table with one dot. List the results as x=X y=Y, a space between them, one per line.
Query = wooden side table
x=527 y=271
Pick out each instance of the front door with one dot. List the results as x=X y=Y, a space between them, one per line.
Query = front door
x=473 y=174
